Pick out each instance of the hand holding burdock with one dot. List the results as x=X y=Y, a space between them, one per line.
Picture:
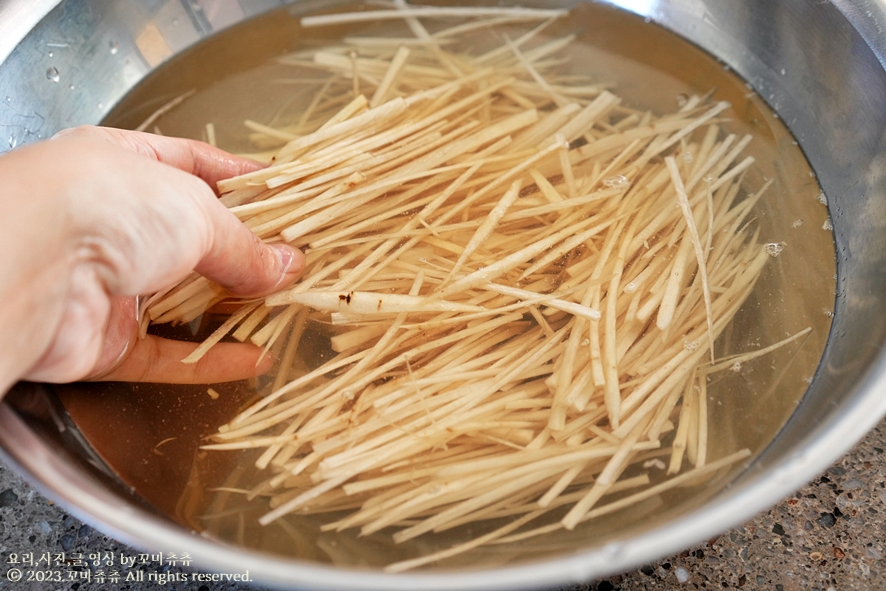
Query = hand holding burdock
x=96 y=217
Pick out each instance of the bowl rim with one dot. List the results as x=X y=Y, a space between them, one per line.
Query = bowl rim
x=29 y=455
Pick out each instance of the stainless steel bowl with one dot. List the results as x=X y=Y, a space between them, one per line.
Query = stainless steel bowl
x=820 y=65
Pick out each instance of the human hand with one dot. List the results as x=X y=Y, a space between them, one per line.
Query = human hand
x=97 y=216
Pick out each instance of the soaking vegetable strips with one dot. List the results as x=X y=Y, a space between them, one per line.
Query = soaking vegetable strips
x=521 y=278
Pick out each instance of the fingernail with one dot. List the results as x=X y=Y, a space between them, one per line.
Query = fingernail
x=286 y=256
x=290 y=259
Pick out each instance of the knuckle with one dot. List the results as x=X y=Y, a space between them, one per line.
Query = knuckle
x=77 y=132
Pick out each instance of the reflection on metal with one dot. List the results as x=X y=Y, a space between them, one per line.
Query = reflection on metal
x=97 y=51
x=179 y=29
x=153 y=47
x=17 y=17
x=222 y=13
x=195 y=13
x=641 y=7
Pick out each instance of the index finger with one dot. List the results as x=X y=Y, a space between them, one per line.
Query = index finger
x=197 y=158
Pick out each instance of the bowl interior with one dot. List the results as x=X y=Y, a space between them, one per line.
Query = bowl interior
x=757 y=40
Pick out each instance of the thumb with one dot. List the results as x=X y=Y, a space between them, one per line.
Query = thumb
x=240 y=262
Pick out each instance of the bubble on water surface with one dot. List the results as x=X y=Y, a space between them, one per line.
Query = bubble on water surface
x=617 y=182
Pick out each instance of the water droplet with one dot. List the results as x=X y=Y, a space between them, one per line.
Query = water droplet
x=617 y=182
x=828 y=313
x=72 y=87
x=52 y=74
x=774 y=249
x=101 y=105
x=50 y=54
x=828 y=225
x=9 y=99
x=11 y=142
x=175 y=22
x=822 y=199
x=114 y=47
x=783 y=72
x=630 y=287
x=736 y=367
x=690 y=345
x=688 y=157
x=797 y=223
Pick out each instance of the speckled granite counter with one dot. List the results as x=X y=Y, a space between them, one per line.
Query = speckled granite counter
x=829 y=536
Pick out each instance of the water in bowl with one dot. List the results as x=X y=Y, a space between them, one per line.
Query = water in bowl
x=237 y=78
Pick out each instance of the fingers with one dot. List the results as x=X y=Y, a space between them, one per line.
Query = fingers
x=125 y=357
x=198 y=158
x=120 y=334
x=156 y=223
x=244 y=265
x=158 y=360
x=138 y=220
x=236 y=259
x=121 y=330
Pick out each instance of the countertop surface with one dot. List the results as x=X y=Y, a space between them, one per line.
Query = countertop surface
x=828 y=536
